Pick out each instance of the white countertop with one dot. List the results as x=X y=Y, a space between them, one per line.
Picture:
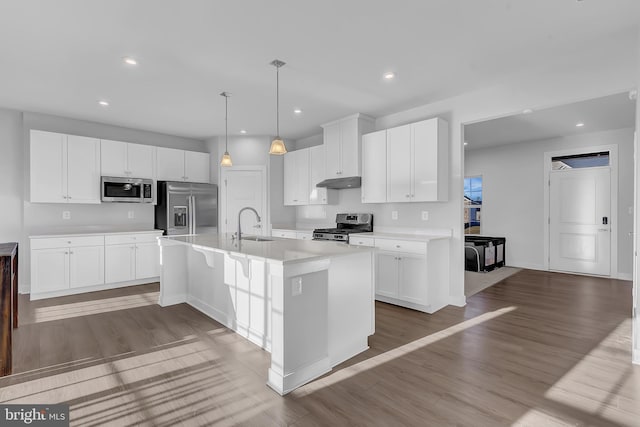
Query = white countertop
x=279 y=250
x=417 y=237
x=90 y=231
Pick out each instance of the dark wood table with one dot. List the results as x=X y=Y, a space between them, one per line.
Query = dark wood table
x=8 y=302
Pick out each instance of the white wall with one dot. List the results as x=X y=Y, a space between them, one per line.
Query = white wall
x=11 y=176
x=636 y=228
x=513 y=193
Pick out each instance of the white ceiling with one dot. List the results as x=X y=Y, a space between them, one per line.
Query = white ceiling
x=606 y=113
x=61 y=57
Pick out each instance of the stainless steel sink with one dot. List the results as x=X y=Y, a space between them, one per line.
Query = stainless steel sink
x=256 y=239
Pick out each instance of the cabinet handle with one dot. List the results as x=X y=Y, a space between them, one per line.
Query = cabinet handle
x=71 y=252
x=68 y=197
x=398 y=246
x=68 y=242
x=407 y=195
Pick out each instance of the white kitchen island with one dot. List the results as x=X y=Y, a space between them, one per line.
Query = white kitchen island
x=309 y=303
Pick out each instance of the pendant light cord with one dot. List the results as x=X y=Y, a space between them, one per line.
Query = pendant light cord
x=278 y=101
x=226 y=123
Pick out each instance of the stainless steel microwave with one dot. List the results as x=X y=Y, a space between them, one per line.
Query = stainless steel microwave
x=129 y=190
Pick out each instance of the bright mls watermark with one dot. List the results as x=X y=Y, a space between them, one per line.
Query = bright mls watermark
x=34 y=415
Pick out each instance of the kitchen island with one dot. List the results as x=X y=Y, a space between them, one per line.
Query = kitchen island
x=309 y=303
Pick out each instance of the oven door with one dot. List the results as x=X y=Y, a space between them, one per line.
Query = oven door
x=122 y=190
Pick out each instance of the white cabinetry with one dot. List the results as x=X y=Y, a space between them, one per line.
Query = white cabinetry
x=131 y=257
x=342 y=145
x=417 y=162
x=304 y=235
x=374 y=167
x=64 y=168
x=180 y=165
x=296 y=178
x=317 y=173
x=59 y=264
x=126 y=159
x=292 y=234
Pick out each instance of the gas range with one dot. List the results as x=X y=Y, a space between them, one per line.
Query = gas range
x=346 y=224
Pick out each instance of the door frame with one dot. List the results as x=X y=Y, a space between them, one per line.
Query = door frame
x=613 y=165
x=266 y=217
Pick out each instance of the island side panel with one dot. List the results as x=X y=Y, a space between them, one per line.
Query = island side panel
x=173 y=273
x=438 y=273
x=351 y=305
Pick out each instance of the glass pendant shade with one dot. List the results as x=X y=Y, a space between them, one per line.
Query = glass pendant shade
x=226 y=159
x=277 y=147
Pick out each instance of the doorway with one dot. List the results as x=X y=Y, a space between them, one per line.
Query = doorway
x=243 y=186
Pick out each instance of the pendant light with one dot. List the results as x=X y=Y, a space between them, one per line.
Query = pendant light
x=277 y=145
x=226 y=158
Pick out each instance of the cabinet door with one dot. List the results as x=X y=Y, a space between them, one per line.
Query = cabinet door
x=333 y=151
x=119 y=263
x=86 y=266
x=413 y=279
x=170 y=164
x=302 y=176
x=48 y=165
x=196 y=166
x=317 y=196
x=398 y=164
x=147 y=260
x=424 y=136
x=113 y=158
x=304 y=235
x=49 y=270
x=83 y=169
x=140 y=161
x=290 y=185
x=374 y=167
x=387 y=275
x=350 y=146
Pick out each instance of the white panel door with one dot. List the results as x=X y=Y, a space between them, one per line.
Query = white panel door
x=243 y=187
x=113 y=158
x=399 y=164
x=170 y=164
x=333 y=150
x=83 y=169
x=140 y=161
x=374 y=167
x=350 y=145
x=86 y=266
x=580 y=221
x=424 y=161
x=147 y=260
x=119 y=263
x=48 y=167
x=387 y=274
x=412 y=279
x=196 y=166
x=317 y=196
x=49 y=270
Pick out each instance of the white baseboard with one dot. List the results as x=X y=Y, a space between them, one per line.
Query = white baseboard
x=458 y=301
x=172 y=300
x=289 y=382
x=86 y=289
x=636 y=357
x=625 y=276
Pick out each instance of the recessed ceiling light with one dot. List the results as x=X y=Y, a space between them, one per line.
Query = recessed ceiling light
x=297 y=111
x=129 y=61
x=527 y=111
x=389 y=75
x=103 y=103
x=579 y=125
x=242 y=131
x=466 y=143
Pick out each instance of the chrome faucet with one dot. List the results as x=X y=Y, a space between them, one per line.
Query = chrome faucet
x=239 y=234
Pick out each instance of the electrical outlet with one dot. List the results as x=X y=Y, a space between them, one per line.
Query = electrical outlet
x=630 y=210
x=66 y=214
x=394 y=214
x=425 y=215
x=296 y=286
x=131 y=214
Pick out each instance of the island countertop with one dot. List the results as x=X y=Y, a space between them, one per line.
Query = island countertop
x=285 y=251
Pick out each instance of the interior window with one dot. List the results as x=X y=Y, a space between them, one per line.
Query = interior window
x=576 y=161
x=472 y=204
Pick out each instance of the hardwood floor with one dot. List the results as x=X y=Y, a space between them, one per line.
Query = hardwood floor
x=538 y=349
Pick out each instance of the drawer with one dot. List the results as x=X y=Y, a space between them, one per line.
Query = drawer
x=285 y=234
x=408 y=246
x=63 y=242
x=121 y=239
x=362 y=241
x=302 y=235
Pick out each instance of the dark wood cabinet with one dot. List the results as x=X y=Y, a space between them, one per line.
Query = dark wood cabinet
x=8 y=302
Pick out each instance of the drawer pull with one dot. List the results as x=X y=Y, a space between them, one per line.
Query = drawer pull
x=397 y=246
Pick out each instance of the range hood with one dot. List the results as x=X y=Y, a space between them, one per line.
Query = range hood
x=341 y=183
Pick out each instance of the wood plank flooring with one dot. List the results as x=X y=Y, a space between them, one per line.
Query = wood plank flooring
x=537 y=349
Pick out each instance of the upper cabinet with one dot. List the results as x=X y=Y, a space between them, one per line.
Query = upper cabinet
x=374 y=167
x=180 y=165
x=342 y=145
x=296 y=178
x=64 y=168
x=317 y=173
x=418 y=162
x=126 y=159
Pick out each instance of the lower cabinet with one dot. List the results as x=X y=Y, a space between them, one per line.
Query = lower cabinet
x=292 y=234
x=120 y=263
x=86 y=266
x=402 y=275
x=131 y=257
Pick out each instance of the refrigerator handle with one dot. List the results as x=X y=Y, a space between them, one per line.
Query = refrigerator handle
x=193 y=215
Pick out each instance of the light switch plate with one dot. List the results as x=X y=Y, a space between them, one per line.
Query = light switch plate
x=425 y=215
x=394 y=214
x=296 y=286
x=66 y=214
x=131 y=214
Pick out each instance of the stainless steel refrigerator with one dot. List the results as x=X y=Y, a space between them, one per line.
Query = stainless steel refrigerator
x=185 y=208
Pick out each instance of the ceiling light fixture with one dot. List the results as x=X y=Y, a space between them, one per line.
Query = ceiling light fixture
x=226 y=158
x=466 y=143
x=277 y=145
x=579 y=125
x=389 y=75
x=297 y=111
x=129 y=61
x=103 y=103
